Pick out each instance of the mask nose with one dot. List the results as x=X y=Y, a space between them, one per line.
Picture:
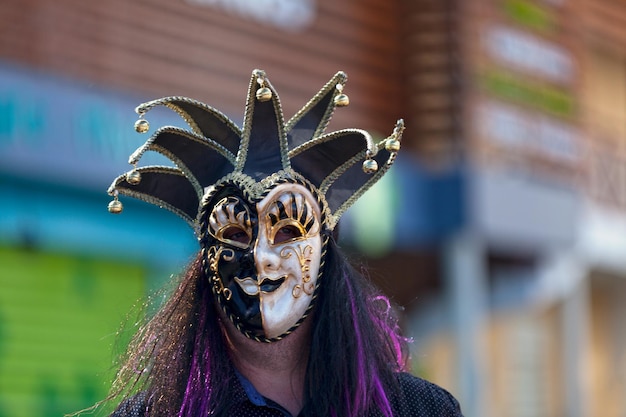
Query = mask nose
x=267 y=260
x=247 y=260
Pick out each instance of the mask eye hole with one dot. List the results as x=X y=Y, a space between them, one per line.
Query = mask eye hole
x=230 y=222
x=287 y=233
x=236 y=235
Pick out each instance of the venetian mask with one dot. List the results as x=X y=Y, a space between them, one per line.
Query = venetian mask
x=261 y=198
x=264 y=257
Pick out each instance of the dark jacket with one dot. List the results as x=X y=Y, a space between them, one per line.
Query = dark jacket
x=417 y=398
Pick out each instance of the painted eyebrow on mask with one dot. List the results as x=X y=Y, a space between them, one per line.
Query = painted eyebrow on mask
x=293 y=208
x=228 y=217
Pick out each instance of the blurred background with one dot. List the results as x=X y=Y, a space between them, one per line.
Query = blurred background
x=501 y=230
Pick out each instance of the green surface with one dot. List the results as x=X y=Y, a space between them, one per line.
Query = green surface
x=546 y=98
x=58 y=321
x=531 y=15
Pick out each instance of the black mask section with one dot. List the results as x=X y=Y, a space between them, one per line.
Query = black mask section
x=226 y=261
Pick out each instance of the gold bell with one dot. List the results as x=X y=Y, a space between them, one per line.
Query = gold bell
x=392 y=145
x=133 y=177
x=115 y=206
x=370 y=166
x=142 y=126
x=342 y=100
x=263 y=94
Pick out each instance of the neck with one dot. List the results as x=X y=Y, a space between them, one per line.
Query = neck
x=277 y=370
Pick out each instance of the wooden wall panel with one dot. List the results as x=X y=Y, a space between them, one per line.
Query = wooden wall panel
x=162 y=47
x=604 y=21
x=432 y=77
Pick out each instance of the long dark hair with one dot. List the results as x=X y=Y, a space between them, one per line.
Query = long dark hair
x=179 y=363
x=356 y=346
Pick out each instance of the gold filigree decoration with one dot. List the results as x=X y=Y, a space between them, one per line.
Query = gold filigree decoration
x=225 y=215
x=214 y=256
x=304 y=254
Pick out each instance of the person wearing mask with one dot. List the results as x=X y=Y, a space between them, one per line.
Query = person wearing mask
x=270 y=318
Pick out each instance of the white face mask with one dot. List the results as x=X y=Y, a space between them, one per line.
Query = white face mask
x=289 y=246
x=282 y=235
